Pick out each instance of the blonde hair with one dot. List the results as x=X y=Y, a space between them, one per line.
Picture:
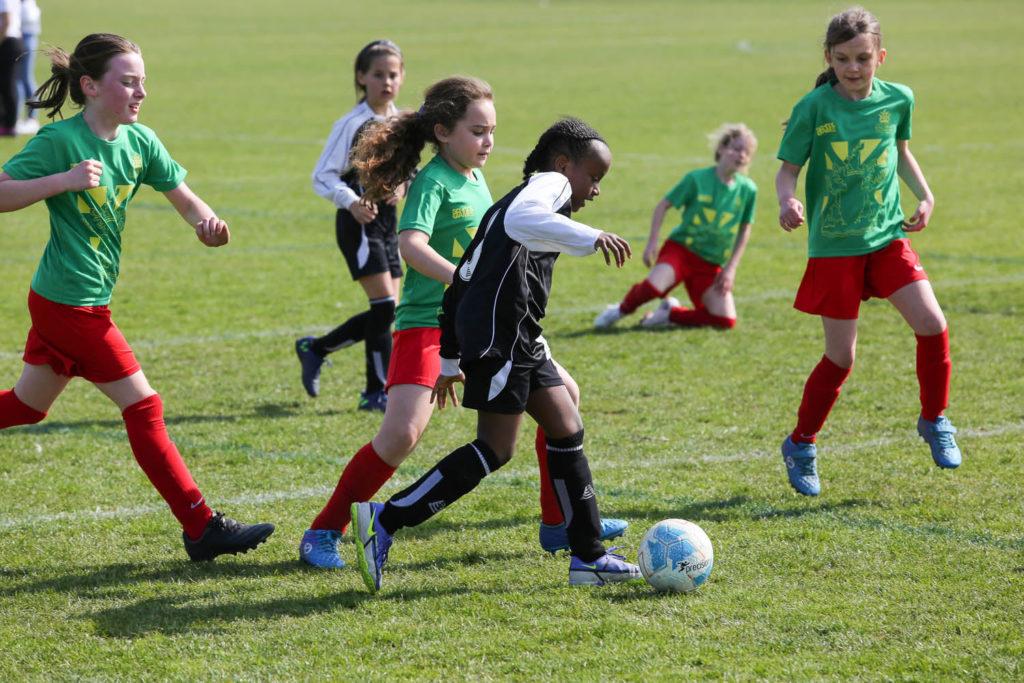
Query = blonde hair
x=726 y=133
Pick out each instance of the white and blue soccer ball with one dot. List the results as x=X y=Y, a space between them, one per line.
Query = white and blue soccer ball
x=676 y=555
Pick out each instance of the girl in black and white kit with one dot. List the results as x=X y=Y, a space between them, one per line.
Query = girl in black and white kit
x=491 y=340
x=365 y=230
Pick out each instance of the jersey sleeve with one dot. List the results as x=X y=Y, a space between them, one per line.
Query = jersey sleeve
x=37 y=159
x=795 y=147
x=684 y=191
x=533 y=221
x=160 y=171
x=422 y=204
x=903 y=129
x=334 y=161
x=749 y=207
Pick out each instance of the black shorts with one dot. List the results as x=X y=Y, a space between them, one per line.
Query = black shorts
x=494 y=385
x=372 y=248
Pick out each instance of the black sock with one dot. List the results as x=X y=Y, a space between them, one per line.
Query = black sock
x=443 y=484
x=378 y=342
x=574 y=489
x=346 y=334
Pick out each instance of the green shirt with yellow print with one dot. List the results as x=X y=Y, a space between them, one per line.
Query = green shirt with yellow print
x=712 y=212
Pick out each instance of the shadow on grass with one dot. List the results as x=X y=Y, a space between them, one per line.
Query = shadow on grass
x=731 y=509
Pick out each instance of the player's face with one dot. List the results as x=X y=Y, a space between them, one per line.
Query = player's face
x=855 y=63
x=468 y=145
x=585 y=175
x=119 y=93
x=382 y=81
x=735 y=155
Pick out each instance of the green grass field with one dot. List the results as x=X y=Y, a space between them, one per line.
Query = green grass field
x=899 y=571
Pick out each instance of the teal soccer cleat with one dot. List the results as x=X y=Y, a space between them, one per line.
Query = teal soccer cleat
x=939 y=437
x=553 y=537
x=319 y=548
x=801 y=467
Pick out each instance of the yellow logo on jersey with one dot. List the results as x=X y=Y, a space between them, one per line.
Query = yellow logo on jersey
x=825 y=128
x=462 y=212
x=883 y=118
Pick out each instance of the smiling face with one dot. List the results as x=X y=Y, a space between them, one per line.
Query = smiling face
x=585 y=174
x=382 y=81
x=117 y=96
x=855 y=63
x=469 y=143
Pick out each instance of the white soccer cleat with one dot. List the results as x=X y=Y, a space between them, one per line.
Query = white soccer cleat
x=659 y=317
x=608 y=317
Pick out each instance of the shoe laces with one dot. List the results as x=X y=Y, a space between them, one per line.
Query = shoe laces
x=226 y=523
x=326 y=542
x=942 y=431
x=804 y=466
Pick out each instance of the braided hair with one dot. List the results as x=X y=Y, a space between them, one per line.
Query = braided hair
x=568 y=136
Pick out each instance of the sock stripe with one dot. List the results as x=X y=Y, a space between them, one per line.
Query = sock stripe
x=563 y=498
x=419 y=492
x=483 y=460
x=559 y=449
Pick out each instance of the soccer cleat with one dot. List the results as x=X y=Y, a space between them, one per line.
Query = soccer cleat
x=375 y=400
x=373 y=541
x=554 y=537
x=939 y=437
x=659 y=317
x=608 y=317
x=225 y=536
x=319 y=547
x=609 y=568
x=311 y=362
x=801 y=467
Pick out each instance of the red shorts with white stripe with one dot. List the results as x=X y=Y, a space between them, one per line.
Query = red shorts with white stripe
x=77 y=341
x=415 y=357
x=696 y=274
x=834 y=286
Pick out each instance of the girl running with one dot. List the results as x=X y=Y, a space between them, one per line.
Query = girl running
x=491 y=318
x=365 y=230
x=441 y=215
x=110 y=156
x=704 y=250
x=853 y=132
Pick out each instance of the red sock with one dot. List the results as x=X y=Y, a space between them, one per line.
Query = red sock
x=159 y=459
x=362 y=477
x=13 y=412
x=550 y=512
x=933 y=371
x=638 y=295
x=699 y=317
x=820 y=394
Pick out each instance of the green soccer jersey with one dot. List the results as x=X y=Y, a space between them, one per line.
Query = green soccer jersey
x=712 y=212
x=82 y=259
x=852 y=189
x=447 y=206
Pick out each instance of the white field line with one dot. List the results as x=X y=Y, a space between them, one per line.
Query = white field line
x=299 y=330
x=259 y=499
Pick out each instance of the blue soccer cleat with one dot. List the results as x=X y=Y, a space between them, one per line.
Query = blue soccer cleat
x=554 y=537
x=319 y=547
x=311 y=362
x=939 y=437
x=609 y=568
x=375 y=400
x=373 y=543
x=801 y=467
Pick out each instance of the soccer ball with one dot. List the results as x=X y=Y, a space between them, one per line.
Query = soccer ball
x=676 y=555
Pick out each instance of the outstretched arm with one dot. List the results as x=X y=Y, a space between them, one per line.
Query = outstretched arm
x=911 y=173
x=17 y=194
x=211 y=231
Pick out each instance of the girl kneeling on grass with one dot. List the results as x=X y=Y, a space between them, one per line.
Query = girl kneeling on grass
x=853 y=132
x=491 y=317
x=110 y=156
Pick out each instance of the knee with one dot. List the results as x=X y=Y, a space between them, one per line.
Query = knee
x=931 y=325
x=843 y=358
x=382 y=314
x=395 y=445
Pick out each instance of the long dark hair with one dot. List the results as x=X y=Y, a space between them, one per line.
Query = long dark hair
x=370 y=52
x=847 y=26
x=90 y=58
x=388 y=153
x=569 y=136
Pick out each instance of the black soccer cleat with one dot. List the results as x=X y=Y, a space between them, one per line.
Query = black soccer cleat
x=225 y=536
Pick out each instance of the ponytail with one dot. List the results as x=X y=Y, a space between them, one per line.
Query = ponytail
x=826 y=76
x=90 y=58
x=389 y=152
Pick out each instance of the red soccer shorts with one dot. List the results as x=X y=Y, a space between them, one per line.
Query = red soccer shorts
x=77 y=341
x=834 y=286
x=696 y=274
x=415 y=357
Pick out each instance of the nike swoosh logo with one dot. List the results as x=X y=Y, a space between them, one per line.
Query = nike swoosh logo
x=196 y=504
x=590 y=566
x=373 y=516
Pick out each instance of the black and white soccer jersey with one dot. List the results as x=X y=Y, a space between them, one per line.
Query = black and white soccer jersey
x=333 y=178
x=500 y=290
